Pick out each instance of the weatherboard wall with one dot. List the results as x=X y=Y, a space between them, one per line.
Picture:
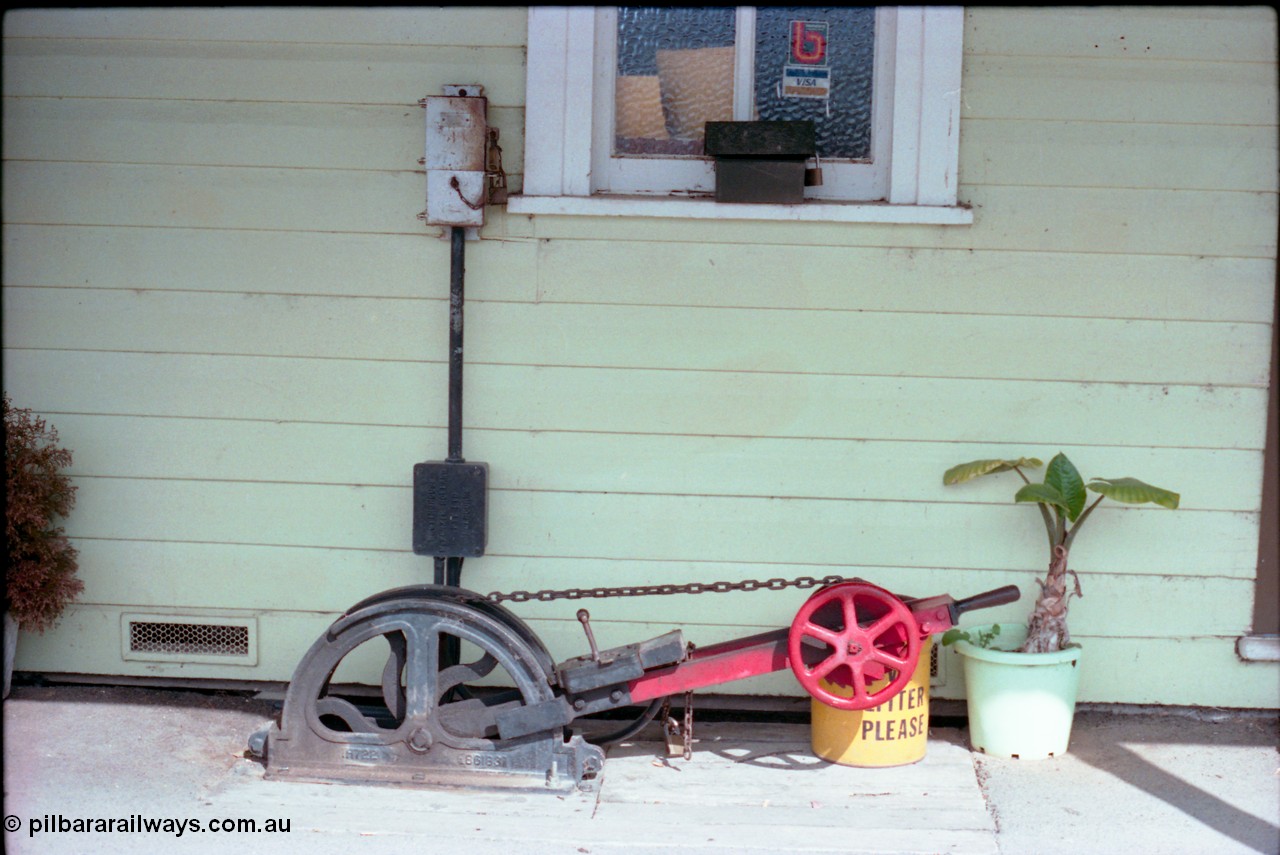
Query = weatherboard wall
x=216 y=288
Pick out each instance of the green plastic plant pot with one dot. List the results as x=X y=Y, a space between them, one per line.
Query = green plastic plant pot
x=1021 y=705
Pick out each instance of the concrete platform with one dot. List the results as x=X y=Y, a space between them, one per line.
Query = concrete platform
x=1134 y=783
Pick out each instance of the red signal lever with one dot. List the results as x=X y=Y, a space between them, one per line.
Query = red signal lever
x=887 y=626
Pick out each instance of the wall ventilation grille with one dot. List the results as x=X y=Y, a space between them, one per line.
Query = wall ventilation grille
x=198 y=638
x=184 y=638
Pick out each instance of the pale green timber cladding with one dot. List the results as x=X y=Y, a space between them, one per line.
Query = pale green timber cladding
x=215 y=286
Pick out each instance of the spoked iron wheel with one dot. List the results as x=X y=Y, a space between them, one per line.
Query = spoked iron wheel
x=420 y=706
x=856 y=636
x=491 y=715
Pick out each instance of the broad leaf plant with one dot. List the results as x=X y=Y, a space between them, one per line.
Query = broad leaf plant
x=1063 y=500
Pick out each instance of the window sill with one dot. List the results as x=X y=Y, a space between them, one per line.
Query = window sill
x=1258 y=648
x=708 y=209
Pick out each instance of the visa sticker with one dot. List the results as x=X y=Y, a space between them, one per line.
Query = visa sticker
x=806 y=81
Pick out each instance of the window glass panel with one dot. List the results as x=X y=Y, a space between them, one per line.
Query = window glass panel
x=674 y=74
x=816 y=62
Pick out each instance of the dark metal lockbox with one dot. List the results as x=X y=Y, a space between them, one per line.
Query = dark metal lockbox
x=760 y=161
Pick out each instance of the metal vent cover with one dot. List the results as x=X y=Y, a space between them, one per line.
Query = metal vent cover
x=189 y=638
x=937 y=665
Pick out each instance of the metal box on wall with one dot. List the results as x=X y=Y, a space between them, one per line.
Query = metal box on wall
x=457 y=139
x=762 y=162
x=450 y=512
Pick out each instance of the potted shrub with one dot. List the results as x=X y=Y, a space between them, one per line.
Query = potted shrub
x=40 y=576
x=1021 y=680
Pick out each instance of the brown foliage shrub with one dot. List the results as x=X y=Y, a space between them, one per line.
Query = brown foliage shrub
x=40 y=578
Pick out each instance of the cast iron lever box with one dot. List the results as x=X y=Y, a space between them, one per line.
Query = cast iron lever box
x=760 y=161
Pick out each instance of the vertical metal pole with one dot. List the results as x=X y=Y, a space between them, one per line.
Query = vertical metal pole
x=448 y=570
x=456 y=278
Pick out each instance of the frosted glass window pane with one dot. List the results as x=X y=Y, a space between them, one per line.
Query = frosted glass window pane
x=674 y=74
x=836 y=44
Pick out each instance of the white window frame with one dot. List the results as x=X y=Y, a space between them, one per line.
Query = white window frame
x=562 y=83
x=667 y=176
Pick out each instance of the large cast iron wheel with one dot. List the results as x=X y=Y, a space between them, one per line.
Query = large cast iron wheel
x=419 y=703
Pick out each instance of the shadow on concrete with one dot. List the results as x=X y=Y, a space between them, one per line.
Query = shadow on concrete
x=1105 y=748
x=177 y=699
x=1194 y=801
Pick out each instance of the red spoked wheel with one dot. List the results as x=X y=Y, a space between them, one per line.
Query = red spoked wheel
x=854 y=635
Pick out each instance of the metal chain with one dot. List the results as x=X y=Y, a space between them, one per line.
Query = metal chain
x=678 y=735
x=688 y=726
x=777 y=584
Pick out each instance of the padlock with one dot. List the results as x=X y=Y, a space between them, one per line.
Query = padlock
x=813 y=174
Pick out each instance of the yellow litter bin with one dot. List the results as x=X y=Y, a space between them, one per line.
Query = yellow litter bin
x=892 y=734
